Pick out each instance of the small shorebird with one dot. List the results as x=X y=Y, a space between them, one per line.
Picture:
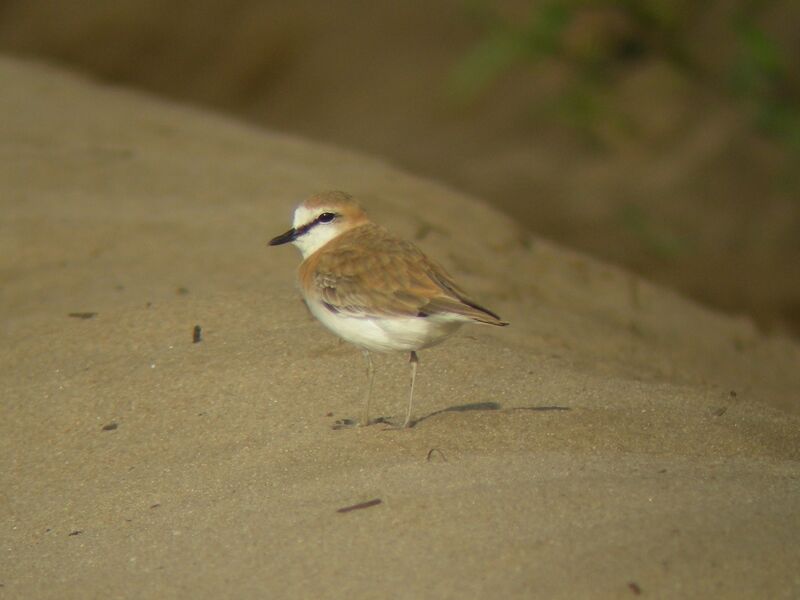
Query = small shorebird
x=373 y=289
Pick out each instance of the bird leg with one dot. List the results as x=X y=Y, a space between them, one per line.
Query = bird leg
x=413 y=360
x=370 y=378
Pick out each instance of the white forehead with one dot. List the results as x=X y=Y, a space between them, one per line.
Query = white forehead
x=303 y=215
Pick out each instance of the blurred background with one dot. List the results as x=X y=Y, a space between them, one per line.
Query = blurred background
x=662 y=135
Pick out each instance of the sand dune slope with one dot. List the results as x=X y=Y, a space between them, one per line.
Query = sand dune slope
x=616 y=440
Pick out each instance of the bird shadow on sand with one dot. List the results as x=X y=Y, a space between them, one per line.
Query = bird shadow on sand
x=472 y=406
x=486 y=406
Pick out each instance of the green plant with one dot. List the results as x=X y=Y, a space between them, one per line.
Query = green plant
x=594 y=41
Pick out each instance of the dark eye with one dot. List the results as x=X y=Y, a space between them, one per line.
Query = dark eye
x=326 y=217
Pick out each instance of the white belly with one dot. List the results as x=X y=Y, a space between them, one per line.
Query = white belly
x=386 y=334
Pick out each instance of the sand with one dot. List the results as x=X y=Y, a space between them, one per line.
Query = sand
x=616 y=440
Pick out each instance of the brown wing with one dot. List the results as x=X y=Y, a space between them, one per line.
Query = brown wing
x=397 y=279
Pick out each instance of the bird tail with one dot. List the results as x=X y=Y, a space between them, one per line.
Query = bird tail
x=465 y=308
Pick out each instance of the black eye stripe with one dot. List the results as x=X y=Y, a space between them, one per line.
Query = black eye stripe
x=305 y=228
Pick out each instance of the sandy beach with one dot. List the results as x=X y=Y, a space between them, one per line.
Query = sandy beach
x=617 y=440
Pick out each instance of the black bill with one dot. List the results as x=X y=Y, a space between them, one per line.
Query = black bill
x=284 y=238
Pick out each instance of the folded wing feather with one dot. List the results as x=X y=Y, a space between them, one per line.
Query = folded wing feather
x=397 y=280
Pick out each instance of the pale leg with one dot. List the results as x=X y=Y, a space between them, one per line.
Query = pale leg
x=370 y=377
x=413 y=360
